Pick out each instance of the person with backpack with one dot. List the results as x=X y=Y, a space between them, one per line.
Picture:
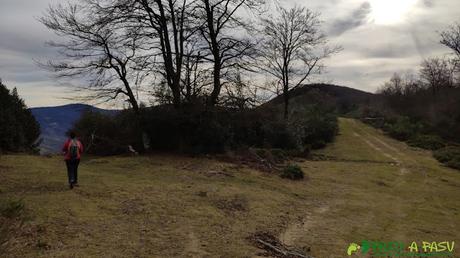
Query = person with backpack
x=72 y=150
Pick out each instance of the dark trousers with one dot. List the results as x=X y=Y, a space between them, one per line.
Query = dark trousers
x=72 y=170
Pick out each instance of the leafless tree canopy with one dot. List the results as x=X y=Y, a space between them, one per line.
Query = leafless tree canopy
x=226 y=49
x=293 y=47
x=437 y=73
x=97 y=49
x=451 y=38
x=183 y=50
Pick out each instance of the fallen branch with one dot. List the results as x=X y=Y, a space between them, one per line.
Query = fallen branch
x=285 y=252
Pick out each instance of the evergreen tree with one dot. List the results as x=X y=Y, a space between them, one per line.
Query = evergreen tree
x=19 y=130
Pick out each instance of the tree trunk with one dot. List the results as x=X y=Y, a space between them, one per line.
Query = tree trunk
x=176 y=95
x=216 y=54
x=286 y=88
x=286 y=103
x=216 y=90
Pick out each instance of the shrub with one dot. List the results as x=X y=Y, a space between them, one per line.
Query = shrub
x=278 y=134
x=293 y=172
x=191 y=131
x=202 y=130
x=197 y=129
x=454 y=163
x=449 y=155
x=313 y=127
x=107 y=135
x=429 y=142
x=402 y=129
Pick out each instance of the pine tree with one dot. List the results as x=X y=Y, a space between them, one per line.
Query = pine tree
x=19 y=130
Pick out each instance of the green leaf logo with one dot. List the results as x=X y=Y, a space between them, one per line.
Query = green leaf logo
x=352 y=248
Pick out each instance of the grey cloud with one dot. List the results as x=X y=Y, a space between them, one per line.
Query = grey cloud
x=22 y=40
x=370 y=56
x=357 y=18
x=29 y=43
x=428 y=3
x=389 y=51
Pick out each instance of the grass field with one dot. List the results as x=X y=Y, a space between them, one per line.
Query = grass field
x=365 y=186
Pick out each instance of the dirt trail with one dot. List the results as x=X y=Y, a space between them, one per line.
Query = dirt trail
x=397 y=156
x=384 y=150
x=408 y=166
x=298 y=229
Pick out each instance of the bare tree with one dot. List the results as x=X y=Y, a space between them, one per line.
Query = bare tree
x=293 y=48
x=98 y=50
x=395 y=86
x=196 y=75
x=437 y=73
x=451 y=38
x=238 y=93
x=168 y=24
x=223 y=30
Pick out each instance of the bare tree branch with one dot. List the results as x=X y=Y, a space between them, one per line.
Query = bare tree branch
x=293 y=48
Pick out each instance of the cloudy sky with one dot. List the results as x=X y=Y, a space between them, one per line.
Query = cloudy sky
x=379 y=37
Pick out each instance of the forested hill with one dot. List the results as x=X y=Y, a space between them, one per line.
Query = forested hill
x=344 y=99
x=56 y=121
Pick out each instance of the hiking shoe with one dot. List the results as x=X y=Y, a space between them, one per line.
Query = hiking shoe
x=71 y=186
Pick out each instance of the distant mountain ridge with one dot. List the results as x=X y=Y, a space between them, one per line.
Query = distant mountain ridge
x=56 y=121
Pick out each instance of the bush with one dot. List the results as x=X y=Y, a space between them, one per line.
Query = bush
x=195 y=129
x=278 y=134
x=402 y=128
x=293 y=172
x=454 y=163
x=429 y=142
x=313 y=127
x=449 y=155
x=108 y=135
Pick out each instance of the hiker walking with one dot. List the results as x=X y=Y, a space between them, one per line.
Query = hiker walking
x=72 y=150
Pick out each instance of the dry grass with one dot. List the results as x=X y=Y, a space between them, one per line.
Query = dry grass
x=170 y=206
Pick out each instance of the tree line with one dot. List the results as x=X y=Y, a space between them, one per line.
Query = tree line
x=423 y=108
x=185 y=52
x=435 y=74
x=432 y=94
